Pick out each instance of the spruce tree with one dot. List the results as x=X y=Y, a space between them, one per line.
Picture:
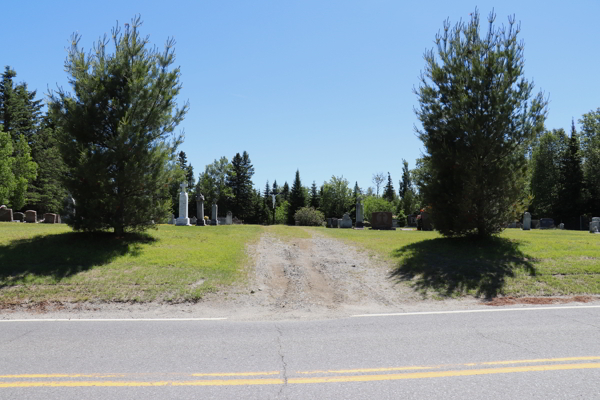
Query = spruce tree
x=545 y=173
x=406 y=182
x=297 y=199
x=239 y=181
x=388 y=193
x=117 y=131
x=478 y=120
x=314 y=196
x=285 y=191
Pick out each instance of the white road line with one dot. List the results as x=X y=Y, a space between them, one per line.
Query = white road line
x=111 y=319
x=473 y=311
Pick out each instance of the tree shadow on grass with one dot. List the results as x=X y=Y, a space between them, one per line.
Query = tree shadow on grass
x=456 y=266
x=62 y=255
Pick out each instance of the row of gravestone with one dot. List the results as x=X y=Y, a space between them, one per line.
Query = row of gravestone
x=7 y=215
x=548 y=223
x=379 y=220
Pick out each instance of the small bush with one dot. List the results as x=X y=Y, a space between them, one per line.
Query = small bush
x=308 y=216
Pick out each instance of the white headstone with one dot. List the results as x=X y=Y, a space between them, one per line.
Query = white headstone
x=183 y=219
x=229 y=220
x=359 y=213
x=214 y=219
x=527 y=222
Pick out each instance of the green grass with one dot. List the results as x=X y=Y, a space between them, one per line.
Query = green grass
x=286 y=233
x=516 y=263
x=52 y=263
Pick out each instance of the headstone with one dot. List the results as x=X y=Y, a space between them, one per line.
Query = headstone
x=561 y=226
x=346 y=222
x=213 y=219
x=426 y=221
x=171 y=220
x=411 y=220
x=584 y=223
x=19 y=216
x=194 y=221
x=200 y=210
x=183 y=219
x=394 y=222
x=381 y=220
x=512 y=225
x=359 y=213
x=31 y=216
x=595 y=225
x=6 y=214
x=229 y=219
x=50 y=218
x=526 y=221
x=535 y=224
x=237 y=221
x=329 y=223
x=546 y=223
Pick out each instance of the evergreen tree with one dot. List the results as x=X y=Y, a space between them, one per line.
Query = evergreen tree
x=545 y=173
x=297 y=199
x=570 y=196
x=314 y=196
x=477 y=123
x=46 y=193
x=406 y=182
x=116 y=128
x=285 y=191
x=239 y=181
x=389 y=193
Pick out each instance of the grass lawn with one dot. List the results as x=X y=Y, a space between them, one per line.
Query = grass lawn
x=516 y=263
x=51 y=262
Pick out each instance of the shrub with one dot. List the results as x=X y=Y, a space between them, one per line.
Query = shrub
x=308 y=216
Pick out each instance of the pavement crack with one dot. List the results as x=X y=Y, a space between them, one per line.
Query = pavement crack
x=283 y=362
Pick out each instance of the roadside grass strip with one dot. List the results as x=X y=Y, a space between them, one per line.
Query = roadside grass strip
x=300 y=377
x=514 y=263
x=51 y=263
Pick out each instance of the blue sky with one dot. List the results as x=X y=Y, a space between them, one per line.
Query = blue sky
x=320 y=86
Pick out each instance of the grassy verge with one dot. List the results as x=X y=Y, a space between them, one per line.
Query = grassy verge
x=52 y=263
x=516 y=263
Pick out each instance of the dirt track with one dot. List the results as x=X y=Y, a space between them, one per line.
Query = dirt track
x=314 y=278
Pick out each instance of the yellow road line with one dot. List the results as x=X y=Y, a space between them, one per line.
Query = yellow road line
x=358 y=378
x=238 y=373
x=363 y=370
x=541 y=360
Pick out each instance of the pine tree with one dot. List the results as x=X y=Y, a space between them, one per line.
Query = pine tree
x=545 y=173
x=389 y=193
x=406 y=182
x=297 y=199
x=239 y=181
x=116 y=130
x=477 y=122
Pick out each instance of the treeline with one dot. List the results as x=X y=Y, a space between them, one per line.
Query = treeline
x=565 y=172
x=31 y=165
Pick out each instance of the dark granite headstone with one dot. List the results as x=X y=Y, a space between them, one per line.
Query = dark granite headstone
x=6 y=215
x=426 y=222
x=19 y=216
x=535 y=224
x=546 y=223
x=381 y=220
x=50 y=218
x=31 y=216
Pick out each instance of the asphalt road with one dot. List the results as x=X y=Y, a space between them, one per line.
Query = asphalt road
x=541 y=353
